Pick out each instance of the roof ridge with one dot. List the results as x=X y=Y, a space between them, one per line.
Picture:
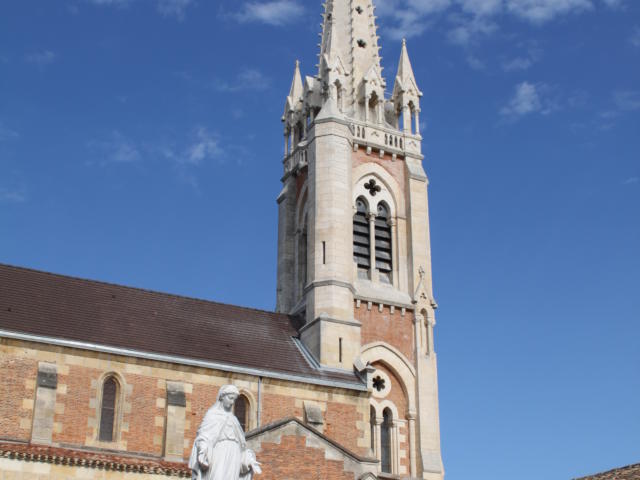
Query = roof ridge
x=595 y=476
x=140 y=289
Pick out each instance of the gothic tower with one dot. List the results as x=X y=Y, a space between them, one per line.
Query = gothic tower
x=354 y=257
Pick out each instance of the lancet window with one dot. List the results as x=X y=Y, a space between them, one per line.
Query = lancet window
x=385 y=441
x=361 y=239
x=110 y=389
x=383 y=243
x=241 y=411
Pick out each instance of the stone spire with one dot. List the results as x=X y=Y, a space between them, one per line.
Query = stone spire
x=406 y=94
x=296 y=90
x=349 y=53
x=405 y=80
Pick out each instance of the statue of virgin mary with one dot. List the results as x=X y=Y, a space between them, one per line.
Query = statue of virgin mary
x=219 y=450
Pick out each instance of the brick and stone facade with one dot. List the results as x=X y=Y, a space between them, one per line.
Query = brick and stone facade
x=340 y=383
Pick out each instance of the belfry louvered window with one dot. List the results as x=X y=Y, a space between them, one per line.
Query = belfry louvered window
x=383 y=243
x=108 y=409
x=361 y=238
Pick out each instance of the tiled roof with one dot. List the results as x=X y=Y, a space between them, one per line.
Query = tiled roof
x=50 y=305
x=630 y=472
x=87 y=459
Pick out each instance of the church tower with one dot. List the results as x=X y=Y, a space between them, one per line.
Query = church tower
x=354 y=257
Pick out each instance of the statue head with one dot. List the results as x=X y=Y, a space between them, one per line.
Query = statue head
x=227 y=396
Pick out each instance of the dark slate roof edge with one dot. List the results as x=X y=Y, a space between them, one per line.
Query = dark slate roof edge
x=182 y=360
x=635 y=468
x=139 y=289
x=280 y=423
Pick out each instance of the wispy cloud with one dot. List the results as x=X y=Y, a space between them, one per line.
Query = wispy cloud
x=41 y=59
x=627 y=100
x=529 y=98
x=275 y=12
x=174 y=8
x=117 y=149
x=247 y=79
x=13 y=195
x=111 y=3
x=205 y=145
x=631 y=181
x=167 y=8
x=472 y=19
x=635 y=37
x=7 y=133
x=614 y=3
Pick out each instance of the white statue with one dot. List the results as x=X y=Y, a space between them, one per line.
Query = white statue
x=219 y=450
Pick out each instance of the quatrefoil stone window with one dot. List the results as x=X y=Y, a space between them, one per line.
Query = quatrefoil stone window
x=378 y=383
x=373 y=187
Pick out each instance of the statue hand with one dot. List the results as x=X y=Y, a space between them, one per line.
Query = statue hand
x=255 y=467
x=202 y=460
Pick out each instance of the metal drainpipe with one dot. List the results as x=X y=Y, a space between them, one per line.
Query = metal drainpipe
x=259 y=400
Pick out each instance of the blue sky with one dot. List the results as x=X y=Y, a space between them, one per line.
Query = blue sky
x=140 y=143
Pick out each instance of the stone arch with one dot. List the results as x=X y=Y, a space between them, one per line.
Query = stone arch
x=394 y=195
x=393 y=359
x=118 y=405
x=252 y=406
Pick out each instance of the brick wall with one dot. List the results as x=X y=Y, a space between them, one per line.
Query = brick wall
x=394 y=329
x=395 y=168
x=292 y=459
x=17 y=394
x=142 y=399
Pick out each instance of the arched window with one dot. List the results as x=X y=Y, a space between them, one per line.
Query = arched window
x=361 y=239
x=383 y=243
x=385 y=441
x=108 y=409
x=241 y=410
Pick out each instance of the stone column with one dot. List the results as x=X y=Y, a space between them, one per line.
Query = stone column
x=413 y=464
x=372 y=246
x=286 y=144
x=406 y=119
x=416 y=113
x=394 y=252
x=174 y=431
x=377 y=445
x=44 y=409
x=395 y=448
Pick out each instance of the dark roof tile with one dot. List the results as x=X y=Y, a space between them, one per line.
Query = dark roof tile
x=69 y=308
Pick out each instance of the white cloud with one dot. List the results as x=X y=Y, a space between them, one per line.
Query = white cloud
x=167 y=8
x=524 y=101
x=635 y=37
x=469 y=29
x=117 y=149
x=41 y=59
x=518 y=63
x=205 y=145
x=174 y=8
x=613 y=3
x=627 y=100
x=111 y=3
x=472 y=18
x=247 y=79
x=540 y=11
x=475 y=63
x=276 y=12
x=530 y=98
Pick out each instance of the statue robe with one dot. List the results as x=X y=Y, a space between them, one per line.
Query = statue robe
x=221 y=440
